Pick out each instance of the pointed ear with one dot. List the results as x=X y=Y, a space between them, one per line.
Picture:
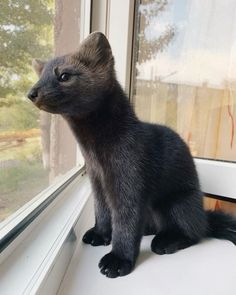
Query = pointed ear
x=95 y=51
x=38 y=66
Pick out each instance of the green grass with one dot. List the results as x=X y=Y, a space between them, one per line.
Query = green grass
x=21 y=183
x=13 y=150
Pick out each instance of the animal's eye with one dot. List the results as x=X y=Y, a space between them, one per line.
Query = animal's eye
x=64 y=77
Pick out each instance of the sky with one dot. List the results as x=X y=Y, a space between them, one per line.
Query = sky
x=204 y=48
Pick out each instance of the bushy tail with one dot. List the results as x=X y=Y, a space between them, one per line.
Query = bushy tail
x=221 y=226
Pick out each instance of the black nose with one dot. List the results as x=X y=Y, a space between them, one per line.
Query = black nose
x=33 y=94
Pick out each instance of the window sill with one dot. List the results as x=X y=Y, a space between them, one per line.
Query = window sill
x=207 y=269
x=48 y=244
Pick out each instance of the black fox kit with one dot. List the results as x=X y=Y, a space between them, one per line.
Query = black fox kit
x=143 y=176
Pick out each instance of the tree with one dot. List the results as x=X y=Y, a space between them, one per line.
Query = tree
x=25 y=32
x=148 y=48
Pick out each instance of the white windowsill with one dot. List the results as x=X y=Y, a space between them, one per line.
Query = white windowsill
x=204 y=269
x=207 y=269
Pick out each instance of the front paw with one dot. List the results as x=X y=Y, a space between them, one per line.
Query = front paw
x=112 y=266
x=93 y=238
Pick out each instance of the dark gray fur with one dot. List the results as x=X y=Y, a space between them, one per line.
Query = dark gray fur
x=143 y=176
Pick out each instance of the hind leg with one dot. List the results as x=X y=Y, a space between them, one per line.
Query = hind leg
x=153 y=222
x=168 y=242
x=185 y=224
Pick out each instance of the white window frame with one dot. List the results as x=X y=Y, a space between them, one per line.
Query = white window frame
x=31 y=209
x=38 y=240
x=216 y=177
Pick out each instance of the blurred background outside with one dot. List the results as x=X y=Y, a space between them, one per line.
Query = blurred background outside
x=35 y=147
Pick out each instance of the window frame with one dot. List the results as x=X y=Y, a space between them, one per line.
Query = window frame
x=15 y=224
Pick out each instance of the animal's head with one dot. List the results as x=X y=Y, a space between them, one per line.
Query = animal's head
x=76 y=83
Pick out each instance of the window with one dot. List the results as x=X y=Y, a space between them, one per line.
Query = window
x=185 y=72
x=35 y=147
x=41 y=234
x=183 y=77
x=161 y=95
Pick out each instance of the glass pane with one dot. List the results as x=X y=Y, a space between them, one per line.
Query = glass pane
x=185 y=72
x=35 y=147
